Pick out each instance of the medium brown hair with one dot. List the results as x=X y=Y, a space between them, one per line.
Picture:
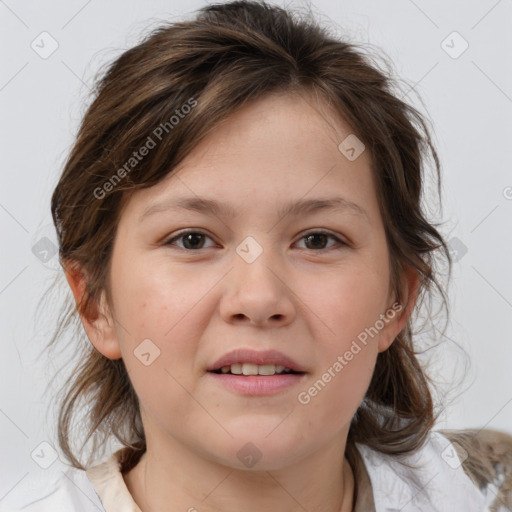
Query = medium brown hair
x=226 y=56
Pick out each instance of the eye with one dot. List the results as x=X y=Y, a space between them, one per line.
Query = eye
x=191 y=240
x=194 y=240
x=317 y=239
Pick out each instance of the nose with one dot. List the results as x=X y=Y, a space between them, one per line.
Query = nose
x=258 y=293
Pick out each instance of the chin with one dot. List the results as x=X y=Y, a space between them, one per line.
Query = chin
x=263 y=450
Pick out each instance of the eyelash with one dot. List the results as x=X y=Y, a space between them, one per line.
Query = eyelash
x=198 y=232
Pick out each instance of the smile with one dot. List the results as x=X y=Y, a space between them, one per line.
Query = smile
x=254 y=369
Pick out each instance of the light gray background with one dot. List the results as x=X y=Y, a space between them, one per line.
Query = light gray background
x=468 y=99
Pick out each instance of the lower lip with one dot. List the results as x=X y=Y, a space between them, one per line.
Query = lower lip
x=257 y=384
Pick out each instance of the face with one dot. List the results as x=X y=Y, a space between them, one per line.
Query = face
x=190 y=285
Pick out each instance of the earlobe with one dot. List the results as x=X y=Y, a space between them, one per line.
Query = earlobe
x=410 y=289
x=99 y=327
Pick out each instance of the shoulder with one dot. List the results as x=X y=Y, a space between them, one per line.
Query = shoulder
x=57 y=488
x=437 y=476
x=486 y=457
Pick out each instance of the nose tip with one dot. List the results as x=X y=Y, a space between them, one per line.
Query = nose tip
x=256 y=294
x=259 y=321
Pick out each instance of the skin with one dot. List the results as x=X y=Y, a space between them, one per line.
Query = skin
x=309 y=300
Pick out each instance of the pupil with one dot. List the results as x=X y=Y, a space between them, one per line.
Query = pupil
x=189 y=237
x=313 y=236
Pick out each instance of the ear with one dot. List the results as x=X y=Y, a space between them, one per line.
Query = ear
x=100 y=328
x=402 y=312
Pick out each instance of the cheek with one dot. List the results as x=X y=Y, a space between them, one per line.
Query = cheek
x=152 y=300
x=159 y=341
x=155 y=330
x=349 y=306
x=346 y=302
x=334 y=395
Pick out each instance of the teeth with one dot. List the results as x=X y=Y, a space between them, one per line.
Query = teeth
x=254 y=369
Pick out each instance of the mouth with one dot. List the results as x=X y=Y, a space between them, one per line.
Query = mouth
x=247 y=369
x=256 y=373
x=250 y=372
x=256 y=380
x=247 y=362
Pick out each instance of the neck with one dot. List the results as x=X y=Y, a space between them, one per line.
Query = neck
x=156 y=484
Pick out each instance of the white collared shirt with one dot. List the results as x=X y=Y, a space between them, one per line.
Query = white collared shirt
x=438 y=484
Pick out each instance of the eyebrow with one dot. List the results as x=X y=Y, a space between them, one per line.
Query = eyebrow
x=298 y=208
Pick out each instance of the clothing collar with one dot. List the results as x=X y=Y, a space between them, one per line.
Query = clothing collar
x=384 y=483
x=438 y=483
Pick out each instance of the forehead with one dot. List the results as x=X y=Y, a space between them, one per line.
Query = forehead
x=280 y=148
x=280 y=125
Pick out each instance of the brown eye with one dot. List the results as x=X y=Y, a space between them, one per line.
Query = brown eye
x=191 y=240
x=317 y=240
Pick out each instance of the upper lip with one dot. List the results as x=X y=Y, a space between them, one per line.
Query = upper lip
x=243 y=355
